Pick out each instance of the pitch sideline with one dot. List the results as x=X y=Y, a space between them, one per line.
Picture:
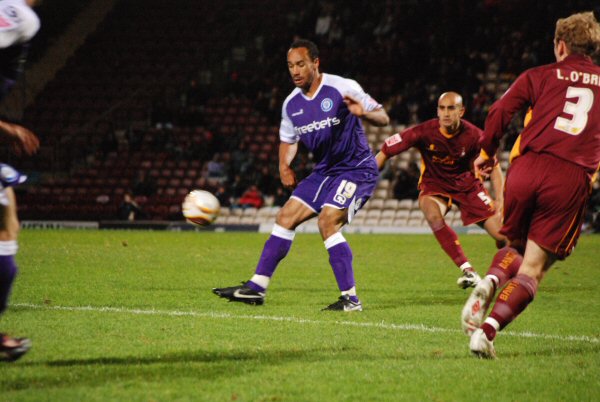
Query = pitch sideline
x=382 y=325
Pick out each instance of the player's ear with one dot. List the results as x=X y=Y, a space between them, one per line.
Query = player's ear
x=462 y=111
x=561 y=49
x=317 y=62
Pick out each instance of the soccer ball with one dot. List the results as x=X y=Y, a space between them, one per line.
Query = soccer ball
x=200 y=207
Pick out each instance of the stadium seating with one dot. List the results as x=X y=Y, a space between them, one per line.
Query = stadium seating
x=108 y=114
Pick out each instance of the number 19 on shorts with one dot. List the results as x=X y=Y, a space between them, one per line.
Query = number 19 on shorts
x=345 y=190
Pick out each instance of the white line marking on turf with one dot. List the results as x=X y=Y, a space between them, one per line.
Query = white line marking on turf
x=383 y=325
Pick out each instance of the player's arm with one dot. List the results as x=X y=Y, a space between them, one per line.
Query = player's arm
x=501 y=113
x=287 y=153
x=288 y=148
x=381 y=159
x=377 y=117
x=361 y=104
x=21 y=139
x=394 y=145
x=497 y=180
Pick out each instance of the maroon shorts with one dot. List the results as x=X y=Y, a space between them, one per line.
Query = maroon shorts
x=544 y=200
x=475 y=206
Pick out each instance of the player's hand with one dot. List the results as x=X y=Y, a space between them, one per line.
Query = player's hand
x=354 y=106
x=23 y=140
x=483 y=167
x=288 y=177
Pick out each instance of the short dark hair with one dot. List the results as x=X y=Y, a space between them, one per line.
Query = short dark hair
x=313 y=50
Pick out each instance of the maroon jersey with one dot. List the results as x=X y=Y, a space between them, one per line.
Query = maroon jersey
x=446 y=159
x=565 y=120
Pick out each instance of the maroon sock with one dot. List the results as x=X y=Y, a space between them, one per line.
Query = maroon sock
x=511 y=301
x=505 y=265
x=449 y=242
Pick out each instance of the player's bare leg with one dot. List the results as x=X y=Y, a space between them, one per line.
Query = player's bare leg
x=492 y=225
x=434 y=208
x=513 y=299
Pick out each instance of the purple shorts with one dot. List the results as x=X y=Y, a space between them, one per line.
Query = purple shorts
x=348 y=190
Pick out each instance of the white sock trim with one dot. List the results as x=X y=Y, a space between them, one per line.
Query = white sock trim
x=334 y=240
x=282 y=232
x=261 y=280
x=494 y=279
x=493 y=323
x=466 y=265
x=8 y=247
x=350 y=292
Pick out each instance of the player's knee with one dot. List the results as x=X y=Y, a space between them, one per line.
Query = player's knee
x=9 y=228
x=534 y=271
x=284 y=220
x=330 y=220
x=435 y=223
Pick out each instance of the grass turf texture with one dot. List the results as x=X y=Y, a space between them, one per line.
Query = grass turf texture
x=129 y=316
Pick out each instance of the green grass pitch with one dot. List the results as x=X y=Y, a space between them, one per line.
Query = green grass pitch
x=129 y=316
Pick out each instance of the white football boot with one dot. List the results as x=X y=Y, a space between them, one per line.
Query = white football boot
x=480 y=345
x=477 y=305
x=468 y=279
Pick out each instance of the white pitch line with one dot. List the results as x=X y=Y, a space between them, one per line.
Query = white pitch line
x=382 y=325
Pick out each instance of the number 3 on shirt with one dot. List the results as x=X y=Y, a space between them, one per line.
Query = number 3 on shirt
x=579 y=111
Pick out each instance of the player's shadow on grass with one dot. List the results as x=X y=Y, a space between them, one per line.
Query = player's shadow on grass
x=191 y=357
x=392 y=302
x=208 y=365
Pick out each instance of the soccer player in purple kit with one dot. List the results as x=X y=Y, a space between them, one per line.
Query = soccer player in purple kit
x=324 y=112
x=18 y=24
x=448 y=147
x=549 y=180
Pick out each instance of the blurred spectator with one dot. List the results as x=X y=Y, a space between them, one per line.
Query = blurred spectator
x=266 y=181
x=129 y=209
x=324 y=20
x=252 y=198
x=407 y=180
x=223 y=196
x=215 y=168
x=398 y=110
x=237 y=187
x=281 y=197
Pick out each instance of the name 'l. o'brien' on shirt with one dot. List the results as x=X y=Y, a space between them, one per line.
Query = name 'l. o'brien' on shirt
x=578 y=76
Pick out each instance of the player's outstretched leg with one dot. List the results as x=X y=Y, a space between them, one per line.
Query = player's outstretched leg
x=340 y=258
x=477 y=305
x=451 y=245
x=241 y=293
x=512 y=300
x=253 y=292
x=481 y=346
x=505 y=266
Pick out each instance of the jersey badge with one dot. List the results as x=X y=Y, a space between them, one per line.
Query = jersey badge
x=394 y=139
x=326 y=104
